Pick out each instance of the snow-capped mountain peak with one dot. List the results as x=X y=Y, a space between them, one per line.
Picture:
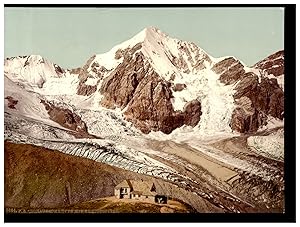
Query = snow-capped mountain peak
x=146 y=34
x=166 y=55
x=159 y=83
x=31 y=70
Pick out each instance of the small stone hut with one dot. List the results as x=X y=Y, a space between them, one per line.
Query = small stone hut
x=140 y=190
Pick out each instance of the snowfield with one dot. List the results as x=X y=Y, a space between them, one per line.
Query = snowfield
x=31 y=70
x=28 y=105
x=66 y=85
x=38 y=75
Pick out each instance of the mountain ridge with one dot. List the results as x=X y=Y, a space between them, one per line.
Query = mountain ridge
x=152 y=64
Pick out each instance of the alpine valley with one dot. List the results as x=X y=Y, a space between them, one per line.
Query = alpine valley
x=208 y=131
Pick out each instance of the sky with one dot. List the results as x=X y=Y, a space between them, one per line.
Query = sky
x=69 y=36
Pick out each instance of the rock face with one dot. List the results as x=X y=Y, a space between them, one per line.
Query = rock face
x=11 y=102
x=192 y=113
x=245 y=117
x=147 y=96
x=255 y=101
x=84 y=89
x=151 y=108
x=85 y=72
x=65 y=118
x=187 y=50
x=134 y=84
x=273 y=64
x=118 y=88
x=230 y=70
x=256 y=96
x=179 y=87
x=58 y=69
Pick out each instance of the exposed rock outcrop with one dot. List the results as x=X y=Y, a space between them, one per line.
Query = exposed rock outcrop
x=76 y=70
x=247 y=86
x=180 y=63
x=245 y=118
x=151 y=107
x=230 y=70
x=255 y=96
x=65 y=118
x=140 y=75
x=271 y=98
x=189 y=53
x=11 y=102
x=179 y=87
x=84 y=74
x=86 y=90
x=266 y=96
x=58 y=69
x=126 y=53
x=255 y=101
x=135 y=85
x=273 y=64
x=192 y=113
x=119 y=87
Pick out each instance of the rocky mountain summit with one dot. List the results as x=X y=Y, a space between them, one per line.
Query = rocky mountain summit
x=160 y=84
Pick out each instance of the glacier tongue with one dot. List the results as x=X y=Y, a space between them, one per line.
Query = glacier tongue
x=99 y=150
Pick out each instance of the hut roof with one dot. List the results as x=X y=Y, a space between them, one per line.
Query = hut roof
x=124 y=184
x=139 y=187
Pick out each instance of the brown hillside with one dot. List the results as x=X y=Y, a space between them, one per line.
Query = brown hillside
x=36 y=177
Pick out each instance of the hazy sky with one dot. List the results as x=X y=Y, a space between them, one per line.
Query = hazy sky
x=69 y=36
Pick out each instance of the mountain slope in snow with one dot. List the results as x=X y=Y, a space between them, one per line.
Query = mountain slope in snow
x=171 y=63
x=159 y=84
x=33 y=70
